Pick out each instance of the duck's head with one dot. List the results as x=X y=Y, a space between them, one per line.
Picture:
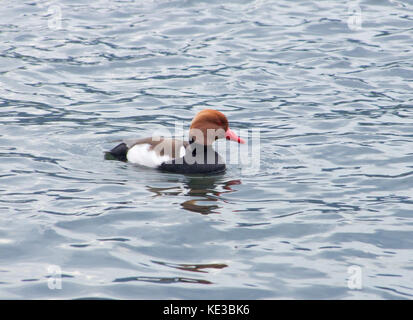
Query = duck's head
x=210 y=125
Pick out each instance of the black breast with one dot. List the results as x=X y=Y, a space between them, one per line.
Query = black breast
x=199 y=159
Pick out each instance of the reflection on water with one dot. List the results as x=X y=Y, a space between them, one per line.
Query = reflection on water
x=193 y=267
x=206 y=191
x=163 y=280
x=201 y=268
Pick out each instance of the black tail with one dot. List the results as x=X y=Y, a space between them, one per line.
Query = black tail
x=117 y=153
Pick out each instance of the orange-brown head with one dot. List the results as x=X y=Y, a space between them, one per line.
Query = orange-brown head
x=210 y=125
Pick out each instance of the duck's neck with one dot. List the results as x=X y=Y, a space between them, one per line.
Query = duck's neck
x=197 y=146
x=202 y=154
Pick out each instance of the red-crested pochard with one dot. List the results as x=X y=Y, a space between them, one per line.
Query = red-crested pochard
x=172 y=155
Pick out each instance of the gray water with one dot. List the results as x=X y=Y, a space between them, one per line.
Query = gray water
x=328 y=84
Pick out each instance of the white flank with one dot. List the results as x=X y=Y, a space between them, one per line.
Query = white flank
x=140 y=154
x=182 y=152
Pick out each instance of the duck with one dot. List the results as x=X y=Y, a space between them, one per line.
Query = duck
x=195 y=156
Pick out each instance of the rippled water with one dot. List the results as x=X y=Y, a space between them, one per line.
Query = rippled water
x=328 y=84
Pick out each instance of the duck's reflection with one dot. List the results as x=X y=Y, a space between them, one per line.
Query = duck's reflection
x=193 y=267
x=204 y=191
